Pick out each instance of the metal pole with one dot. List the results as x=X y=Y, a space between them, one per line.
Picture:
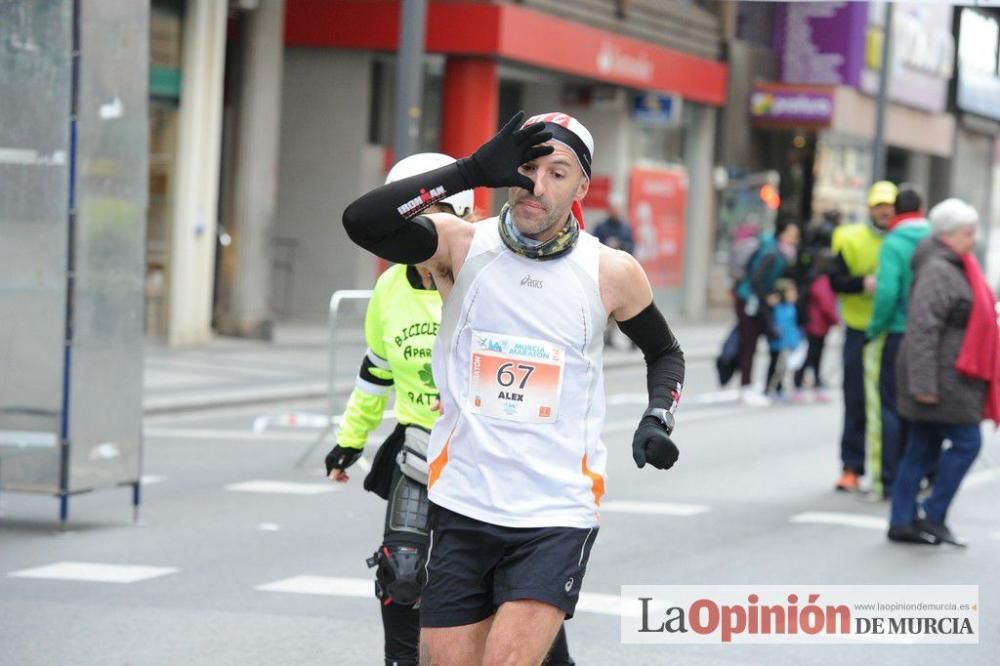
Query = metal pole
x=878 y=148
x=409 y=78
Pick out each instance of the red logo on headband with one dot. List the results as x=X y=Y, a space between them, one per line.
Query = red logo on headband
x=556 y=118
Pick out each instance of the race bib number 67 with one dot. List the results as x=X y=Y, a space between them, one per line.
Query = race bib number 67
x=514 y=378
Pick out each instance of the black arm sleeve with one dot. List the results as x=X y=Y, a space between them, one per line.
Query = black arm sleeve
x=380 y=220
x=842 y=281
x=662 y=353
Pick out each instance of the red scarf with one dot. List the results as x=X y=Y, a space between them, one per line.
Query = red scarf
x=903 y=217
x=980 y=354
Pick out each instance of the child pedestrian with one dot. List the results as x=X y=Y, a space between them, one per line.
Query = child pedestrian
x=822 y=315
x=785 y=337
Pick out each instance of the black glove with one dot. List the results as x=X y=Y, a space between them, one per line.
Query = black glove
x=651 y=444
x=495 y=163
x=341 y=458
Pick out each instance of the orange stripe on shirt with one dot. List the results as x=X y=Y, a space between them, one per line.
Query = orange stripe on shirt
x=437 y=465
x=596 y=481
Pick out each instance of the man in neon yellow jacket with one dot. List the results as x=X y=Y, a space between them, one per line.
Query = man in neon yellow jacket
x=856 y=247
x=401 y=323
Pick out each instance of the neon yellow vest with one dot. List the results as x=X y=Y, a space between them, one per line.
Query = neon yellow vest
x=859 y=245
x=400 y=326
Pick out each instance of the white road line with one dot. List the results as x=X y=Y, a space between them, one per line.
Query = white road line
x=627 y=399
x=269 y=527
x=604 y=604
x=323 y=585
x=225 y=412
x=229 y=434
x=613 y=427
x=283 y=487
x=150 y=479
x=610 y=427
x=94 y=572
x=653 y=508
x=981 y=478
x=224 y=434
x=706 y=398
x=712 y=397
x=304 y=420
x=847 y=519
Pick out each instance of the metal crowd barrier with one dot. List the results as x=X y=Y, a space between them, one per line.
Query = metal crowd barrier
x=339 y=389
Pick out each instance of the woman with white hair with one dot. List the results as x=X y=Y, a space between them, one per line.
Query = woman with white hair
x=947 y=373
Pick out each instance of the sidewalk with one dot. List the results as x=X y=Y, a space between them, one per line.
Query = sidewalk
x=295 y=366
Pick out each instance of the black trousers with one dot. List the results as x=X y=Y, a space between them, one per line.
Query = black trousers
x=814 y=361
x=852 y=443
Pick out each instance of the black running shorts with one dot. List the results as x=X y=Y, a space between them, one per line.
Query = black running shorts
x=473 y=567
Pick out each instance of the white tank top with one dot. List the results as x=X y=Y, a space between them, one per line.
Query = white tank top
x=519 y=365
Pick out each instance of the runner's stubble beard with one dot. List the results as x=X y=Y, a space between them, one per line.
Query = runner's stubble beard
x=538 y=227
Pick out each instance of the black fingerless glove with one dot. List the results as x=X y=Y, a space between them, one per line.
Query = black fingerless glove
x=652 y=444
x=340 y=457
x=496 y=162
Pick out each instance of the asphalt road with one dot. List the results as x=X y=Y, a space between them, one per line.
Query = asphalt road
x=256 y=562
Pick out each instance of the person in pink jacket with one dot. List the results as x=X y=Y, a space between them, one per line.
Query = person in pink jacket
x=822 y=315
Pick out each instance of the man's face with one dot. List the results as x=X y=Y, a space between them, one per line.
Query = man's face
x=882 y=214
x=559 y=181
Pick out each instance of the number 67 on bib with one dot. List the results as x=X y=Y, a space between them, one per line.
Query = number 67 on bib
x=514 y=378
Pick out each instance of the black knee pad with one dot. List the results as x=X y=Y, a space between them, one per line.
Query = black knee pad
x=400 y=573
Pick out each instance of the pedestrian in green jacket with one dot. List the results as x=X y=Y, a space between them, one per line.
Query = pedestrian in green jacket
x=894 y=275
x=888 y=323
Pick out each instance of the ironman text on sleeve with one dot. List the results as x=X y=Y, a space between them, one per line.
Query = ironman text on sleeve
x=387 y=220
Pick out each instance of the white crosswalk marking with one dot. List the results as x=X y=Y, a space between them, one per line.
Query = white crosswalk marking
x=94 y=572
x=981 y=478
x=283 y=487
x=653 y=508
x=603 y=604
x=323 y=585
x=847 y=519
x=230 y=434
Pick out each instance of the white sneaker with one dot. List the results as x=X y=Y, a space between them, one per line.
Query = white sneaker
x=751 y=398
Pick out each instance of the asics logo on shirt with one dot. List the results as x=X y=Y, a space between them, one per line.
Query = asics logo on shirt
x=526 y=281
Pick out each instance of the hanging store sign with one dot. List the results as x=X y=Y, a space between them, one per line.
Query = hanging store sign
x=779 y=104
x=515 y=33
x=820 y=43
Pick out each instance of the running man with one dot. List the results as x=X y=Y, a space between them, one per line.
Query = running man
x=405 y=299
x=516 y=465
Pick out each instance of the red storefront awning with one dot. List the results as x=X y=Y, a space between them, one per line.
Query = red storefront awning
x=512 y=33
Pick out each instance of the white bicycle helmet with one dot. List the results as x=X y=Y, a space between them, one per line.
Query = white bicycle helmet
x=462 y=202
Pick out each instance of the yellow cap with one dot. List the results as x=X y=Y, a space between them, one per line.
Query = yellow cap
x=882 y=192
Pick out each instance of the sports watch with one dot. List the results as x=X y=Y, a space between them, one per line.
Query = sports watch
x=661 y=415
